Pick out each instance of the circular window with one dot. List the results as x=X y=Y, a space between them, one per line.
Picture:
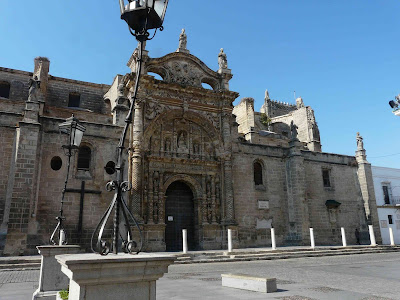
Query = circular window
x=56 y=163
x=110 y=167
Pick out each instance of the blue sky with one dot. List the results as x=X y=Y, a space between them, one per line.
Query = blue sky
x=341 y=57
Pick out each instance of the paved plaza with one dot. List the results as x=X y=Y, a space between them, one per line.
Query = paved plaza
x=355 y=277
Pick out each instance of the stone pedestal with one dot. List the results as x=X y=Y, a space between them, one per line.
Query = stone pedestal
x=122 y=276
x=51 y=278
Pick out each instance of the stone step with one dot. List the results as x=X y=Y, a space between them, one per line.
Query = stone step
x=25 y=266
x=285 y=255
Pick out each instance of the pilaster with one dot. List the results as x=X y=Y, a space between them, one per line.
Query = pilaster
x=297 y=209
x=22 y=192
x=364 y=173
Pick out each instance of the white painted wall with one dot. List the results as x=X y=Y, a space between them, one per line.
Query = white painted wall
x=388 y=176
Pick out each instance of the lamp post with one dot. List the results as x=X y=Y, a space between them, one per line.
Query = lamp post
x=141 y=16
x=75 y=131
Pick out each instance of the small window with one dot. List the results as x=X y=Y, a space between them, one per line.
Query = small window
x=84 y=157
x=56 y=163
x=258 y=176
x=390 y=219
x=326 y=178
x=386 y=194
x=4 y=90
x=74 y=100
x=110 y=167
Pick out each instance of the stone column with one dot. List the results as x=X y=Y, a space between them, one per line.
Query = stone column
x=296 y=195
x=136 y=160
x=150 y=198
x=204 y=199
x=213 y=204
x=161 y=200
x=122 y=276
x=364 y=173
x=227 y=168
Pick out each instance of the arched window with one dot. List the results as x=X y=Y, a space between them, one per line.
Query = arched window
x=258 y=173
x=84 y=157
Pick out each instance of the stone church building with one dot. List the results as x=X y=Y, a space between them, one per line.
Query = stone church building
x=195 y=161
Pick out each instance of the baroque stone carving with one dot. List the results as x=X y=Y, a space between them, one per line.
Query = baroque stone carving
x=153 y=109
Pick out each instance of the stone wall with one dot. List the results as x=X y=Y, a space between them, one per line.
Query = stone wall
x=91 y=94
x=18 y=81
x=102 y=140
x=307 y=211
x=273 y=190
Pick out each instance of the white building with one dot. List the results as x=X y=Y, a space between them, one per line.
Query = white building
x=387 y=193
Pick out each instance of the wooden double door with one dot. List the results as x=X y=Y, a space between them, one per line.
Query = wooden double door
x=179 y=214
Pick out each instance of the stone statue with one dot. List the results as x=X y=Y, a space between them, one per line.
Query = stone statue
x=222 y=60
x=196 y=148
x=167 y=145
x=293 y=129
x=183 y=40
x=360 y=143
x=34 y=86
x=267 y=95
x=182 y=141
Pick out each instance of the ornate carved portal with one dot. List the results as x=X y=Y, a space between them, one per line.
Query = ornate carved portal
x=184 y=149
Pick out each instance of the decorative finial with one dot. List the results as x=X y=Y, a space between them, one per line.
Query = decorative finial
x=267 y=95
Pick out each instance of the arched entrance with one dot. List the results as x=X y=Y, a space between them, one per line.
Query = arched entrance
x=179 y=214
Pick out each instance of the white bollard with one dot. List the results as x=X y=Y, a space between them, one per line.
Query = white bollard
x=62 y=237
x=372 y=235
x=229 y=240
x=344 y=242
x=184 y=238
x=273 y=241
x=312 y=238
x=391 y=236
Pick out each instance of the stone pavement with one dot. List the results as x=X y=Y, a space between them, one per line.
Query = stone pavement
x=352 y=277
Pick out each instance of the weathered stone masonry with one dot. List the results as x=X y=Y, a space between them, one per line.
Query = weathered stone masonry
x=181 y=132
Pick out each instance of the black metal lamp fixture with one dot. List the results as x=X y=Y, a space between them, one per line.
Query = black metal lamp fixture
x=141 y=16
x=394 y=104
x=75 y=131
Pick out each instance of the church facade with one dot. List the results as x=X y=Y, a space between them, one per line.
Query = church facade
x=194 y=161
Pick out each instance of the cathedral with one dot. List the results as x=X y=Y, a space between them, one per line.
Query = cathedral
x=195 y=161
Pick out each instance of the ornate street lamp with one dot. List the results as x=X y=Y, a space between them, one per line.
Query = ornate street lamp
x=75 y=131
x=141 y=16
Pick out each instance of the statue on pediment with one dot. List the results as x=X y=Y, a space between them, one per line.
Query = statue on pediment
x=222 y=60
x=183 y=40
